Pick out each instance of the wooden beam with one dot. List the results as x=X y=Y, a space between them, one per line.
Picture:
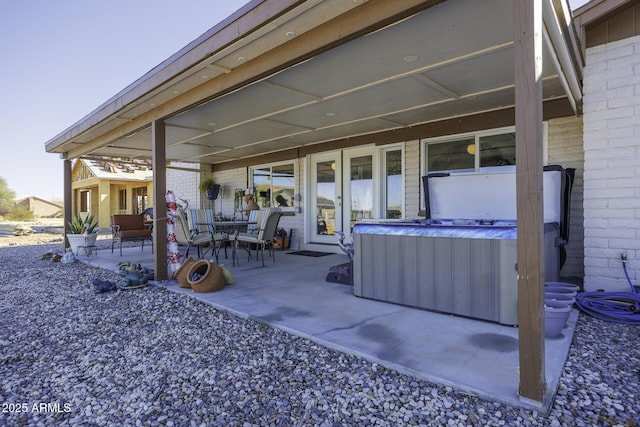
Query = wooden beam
x=158 y=161
x=68 y=202
x=527 y=28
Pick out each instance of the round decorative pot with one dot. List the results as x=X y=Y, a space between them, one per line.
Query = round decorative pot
x=555 y=317
x=563 y=298
x=560 y=290
x=181 y=273
x=208 y=277
x=565 y=285
x=212 y=191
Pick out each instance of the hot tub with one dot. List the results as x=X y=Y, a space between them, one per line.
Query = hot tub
x=462 y=267
x=462 y=259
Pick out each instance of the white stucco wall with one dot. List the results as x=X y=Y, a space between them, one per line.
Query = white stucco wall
x=612 y=164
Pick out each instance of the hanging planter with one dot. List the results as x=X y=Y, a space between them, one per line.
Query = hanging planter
x=210 y=188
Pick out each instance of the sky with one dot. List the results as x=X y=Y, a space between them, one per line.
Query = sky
x=62 y=59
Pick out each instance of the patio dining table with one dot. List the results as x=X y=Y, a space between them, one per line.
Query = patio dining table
x=228 y=229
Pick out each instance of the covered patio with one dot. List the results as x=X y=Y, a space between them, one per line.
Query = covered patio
x=285 y=79
x=478 y=357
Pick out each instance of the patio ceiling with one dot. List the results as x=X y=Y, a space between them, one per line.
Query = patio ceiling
x=449 y=60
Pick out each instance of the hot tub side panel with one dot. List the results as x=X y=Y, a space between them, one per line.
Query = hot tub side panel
x=458 y=276
x=469 y=277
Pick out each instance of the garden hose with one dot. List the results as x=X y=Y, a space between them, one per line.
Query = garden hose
x=620 y=307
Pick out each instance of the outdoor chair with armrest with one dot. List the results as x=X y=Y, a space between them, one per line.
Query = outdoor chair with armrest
x=202 y=220
x=262 y=236
x=129 y=228
x=192 y=237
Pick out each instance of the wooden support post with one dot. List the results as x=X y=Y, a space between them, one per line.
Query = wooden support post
x=159 y=159
x=527 y=27
x=67 y=200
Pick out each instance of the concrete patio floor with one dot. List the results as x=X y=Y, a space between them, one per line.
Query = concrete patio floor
x=474 y=356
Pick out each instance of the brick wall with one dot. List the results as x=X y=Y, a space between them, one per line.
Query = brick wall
x=612 y=163
x=184 y=183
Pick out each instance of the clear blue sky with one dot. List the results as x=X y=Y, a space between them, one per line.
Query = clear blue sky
x=61 y=59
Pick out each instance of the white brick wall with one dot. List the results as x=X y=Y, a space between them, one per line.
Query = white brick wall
x=184 y=184
x=612 y=164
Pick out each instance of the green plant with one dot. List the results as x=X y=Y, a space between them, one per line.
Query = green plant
x=21 y=213
x=205 y=184
x=77 y=225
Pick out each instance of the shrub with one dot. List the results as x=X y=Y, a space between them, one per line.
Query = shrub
x=21 y=213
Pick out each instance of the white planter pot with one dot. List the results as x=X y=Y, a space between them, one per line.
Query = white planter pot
x=556 y=314
x=81 y=241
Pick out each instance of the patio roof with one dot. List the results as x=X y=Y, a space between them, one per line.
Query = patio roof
x=280 y=75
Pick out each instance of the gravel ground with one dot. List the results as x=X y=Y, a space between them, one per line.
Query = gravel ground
x=70 y=357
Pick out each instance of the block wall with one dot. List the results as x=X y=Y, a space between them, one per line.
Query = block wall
x=612 y=164
x=183 y=179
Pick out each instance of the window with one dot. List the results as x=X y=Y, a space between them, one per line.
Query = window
x=274 y=185
x=393 y=185
x=471 y=152
x=483 y=151
x=84 y=201
x=122 y=200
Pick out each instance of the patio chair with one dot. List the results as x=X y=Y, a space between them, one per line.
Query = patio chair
x=191 y=237
x=202 y=220
x=262 y=236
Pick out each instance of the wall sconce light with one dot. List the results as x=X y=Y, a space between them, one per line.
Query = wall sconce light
x=471 y=149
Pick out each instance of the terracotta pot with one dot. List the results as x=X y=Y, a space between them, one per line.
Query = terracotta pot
x=212 y=279
x=181 y=274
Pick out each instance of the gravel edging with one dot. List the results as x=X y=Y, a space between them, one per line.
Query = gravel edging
x=152 y=357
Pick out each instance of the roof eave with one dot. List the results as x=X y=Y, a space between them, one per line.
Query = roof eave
x=240 y=24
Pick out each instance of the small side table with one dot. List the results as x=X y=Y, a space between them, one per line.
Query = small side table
x=88 y=250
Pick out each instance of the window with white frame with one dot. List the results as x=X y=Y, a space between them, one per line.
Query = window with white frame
x=274 y=185
x=393 y=182
x=485 y=151
x=470 y=152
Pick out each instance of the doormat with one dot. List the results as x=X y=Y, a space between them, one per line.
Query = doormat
x=314 y=254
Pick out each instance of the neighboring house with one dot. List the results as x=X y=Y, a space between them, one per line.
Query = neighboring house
x=107 y=187
x=41 y=208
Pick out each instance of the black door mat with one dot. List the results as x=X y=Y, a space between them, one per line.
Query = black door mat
x=310 y=253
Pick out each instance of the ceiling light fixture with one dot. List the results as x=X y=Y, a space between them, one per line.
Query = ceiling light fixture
x=331 y=114
x=242 y=59
x=290 y=34
x=410 y=58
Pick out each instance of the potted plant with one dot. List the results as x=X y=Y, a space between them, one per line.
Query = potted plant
x=210 y=188
x=82 y=232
